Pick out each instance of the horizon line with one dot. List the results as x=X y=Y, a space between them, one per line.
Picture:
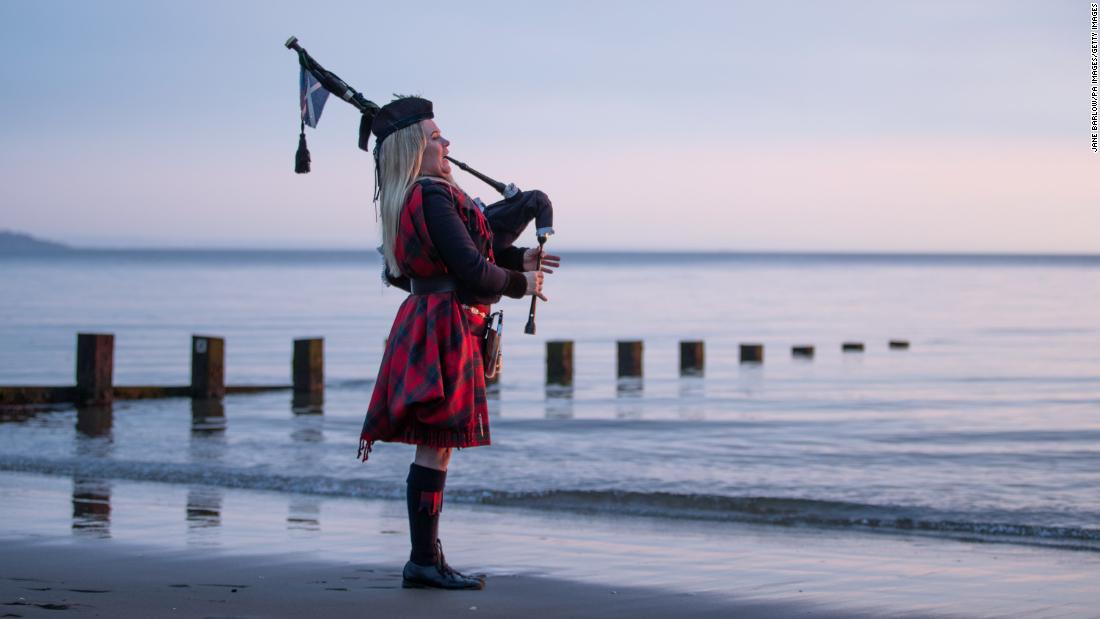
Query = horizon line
x=603 y=251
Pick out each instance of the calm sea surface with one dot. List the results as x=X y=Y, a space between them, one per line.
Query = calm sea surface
x=988 y=427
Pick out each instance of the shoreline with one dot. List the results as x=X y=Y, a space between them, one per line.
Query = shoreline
x=821 y=516
x=533 y=560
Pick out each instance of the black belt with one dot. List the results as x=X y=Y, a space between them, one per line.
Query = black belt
x=428 y=285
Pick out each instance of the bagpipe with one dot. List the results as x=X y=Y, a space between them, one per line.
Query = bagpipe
x=507 y=218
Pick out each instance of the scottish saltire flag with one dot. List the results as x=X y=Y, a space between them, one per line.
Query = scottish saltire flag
x=314 y=96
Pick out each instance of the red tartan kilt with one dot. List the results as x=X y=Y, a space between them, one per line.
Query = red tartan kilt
x=431 y=384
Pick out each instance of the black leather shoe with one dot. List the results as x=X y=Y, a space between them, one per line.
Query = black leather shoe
x=438 y=576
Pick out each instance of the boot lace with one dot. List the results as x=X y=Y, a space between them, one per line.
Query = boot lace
x=441 y=563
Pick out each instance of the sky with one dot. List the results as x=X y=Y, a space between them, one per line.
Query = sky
x=732 y=126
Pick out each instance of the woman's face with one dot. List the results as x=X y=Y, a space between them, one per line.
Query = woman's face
x=433 y=163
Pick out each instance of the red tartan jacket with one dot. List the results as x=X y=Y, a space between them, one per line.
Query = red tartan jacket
x=431 y=383
x=469 y=251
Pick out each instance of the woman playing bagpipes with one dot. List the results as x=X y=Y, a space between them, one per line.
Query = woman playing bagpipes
x=431 y=385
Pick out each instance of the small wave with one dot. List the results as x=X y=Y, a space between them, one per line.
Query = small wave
x=795 y=512
x=781 y=511
x=177 y=473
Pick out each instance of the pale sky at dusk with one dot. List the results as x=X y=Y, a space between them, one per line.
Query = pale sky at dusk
x=865 y=126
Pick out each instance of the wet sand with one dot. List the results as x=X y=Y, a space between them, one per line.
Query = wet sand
x=102 y=579
x=113 y=548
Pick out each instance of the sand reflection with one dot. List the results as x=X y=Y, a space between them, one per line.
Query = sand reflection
x=204 y=515
x=91 y=507
x=303 y=513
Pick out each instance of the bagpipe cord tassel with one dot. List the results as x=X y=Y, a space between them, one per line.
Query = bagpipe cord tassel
x=301 y=158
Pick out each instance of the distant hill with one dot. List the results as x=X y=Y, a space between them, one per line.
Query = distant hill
x=19 y=242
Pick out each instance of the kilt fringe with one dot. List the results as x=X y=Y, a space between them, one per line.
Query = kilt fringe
x=416 y=434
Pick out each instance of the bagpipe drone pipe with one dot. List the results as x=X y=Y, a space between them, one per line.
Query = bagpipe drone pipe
x=507 y=218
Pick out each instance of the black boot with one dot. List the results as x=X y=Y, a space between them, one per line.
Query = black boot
x=426 y=566
x=438 y=576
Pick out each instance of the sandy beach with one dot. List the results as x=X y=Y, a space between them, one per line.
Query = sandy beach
x=129 y=549
x=104 y=580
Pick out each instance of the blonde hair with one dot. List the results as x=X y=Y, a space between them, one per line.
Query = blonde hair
x=399 y=159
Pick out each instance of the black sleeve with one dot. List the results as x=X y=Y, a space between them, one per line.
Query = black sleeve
x=400 y=281
x=458 y=252
x=510 y=257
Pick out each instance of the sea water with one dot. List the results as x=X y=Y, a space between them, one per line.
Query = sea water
x=987 y=427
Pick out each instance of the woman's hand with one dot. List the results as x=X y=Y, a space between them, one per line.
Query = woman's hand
x=534 y=284
x=548 y=260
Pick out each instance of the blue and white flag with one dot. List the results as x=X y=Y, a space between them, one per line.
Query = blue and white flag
x=313 y=97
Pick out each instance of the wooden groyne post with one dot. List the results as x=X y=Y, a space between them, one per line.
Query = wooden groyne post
x=207 y=383
x=95 y=367
x=309 y=366
x=692 y=360
x=899 y=344
x=630 y=359
x=802 y=352
x=308 y=376
x=752 y=353
x=207 y=367
x=851 y=347
x=559 y=362
x=94 y=393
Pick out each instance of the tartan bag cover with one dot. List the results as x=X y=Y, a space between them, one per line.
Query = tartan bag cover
x=431 y=384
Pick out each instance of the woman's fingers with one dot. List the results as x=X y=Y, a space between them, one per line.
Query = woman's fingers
x=538 y=287
x=550 y=262
x=534 y=284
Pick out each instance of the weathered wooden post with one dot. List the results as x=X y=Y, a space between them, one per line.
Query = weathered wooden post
x=207 y=367
x=309 y=366
x=804 y=352
x=852 y=347
x=752 y=353
x=899 y=344
x=559 y=362
x=308 y=374
x=95 y=362
x=691 y=358
x=630 y=359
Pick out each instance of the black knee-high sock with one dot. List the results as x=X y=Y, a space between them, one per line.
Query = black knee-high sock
x=425 y=500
